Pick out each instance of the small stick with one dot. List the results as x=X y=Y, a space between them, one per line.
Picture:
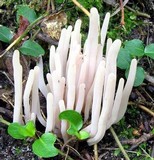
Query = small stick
x=119 y=143
x=65 y=155
x=143 y=108
x=48 y=6
x=95 y=152
x=138 y=12
x=52 y=5
x=81 y=7
x=146 y=110
x=4 y=121
x=122 y=13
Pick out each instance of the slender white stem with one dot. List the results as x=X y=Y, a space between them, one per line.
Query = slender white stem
x=81 y=98
x=63 y=122
x=35 y=91
x=50 y=113
x=127 y=89
x=97 y=97
x=26 y=96
x=106 y=110
x=17 y=87
x=42 y=85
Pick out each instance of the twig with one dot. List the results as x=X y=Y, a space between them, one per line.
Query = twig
x=146 y=110
x=73 y=150
x=48 y=6
x=149 y=78
x=46 y=38
x=138 y=13
x=63 y=154
x=119 y=143
x=52 y=5
x=118 y=10
x=95 y=152
x=122 y=13
x=67 y=142
x=81 y=7
x=35 y=34
x=4 y=121
x=128 y=151
x=136 y=142
x=143 y=108
x=3 y=72
x=19 y=39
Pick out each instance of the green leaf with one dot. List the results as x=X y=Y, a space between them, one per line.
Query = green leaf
x=44 y=146
x=28 y=13
x=149 y=50
x=117 y=152
x=135 y=47
x=75 y=123
x=74 y=119
x=19 y=131
x=5 y=34
x=31 y=48
x=140 y=76
x=83 y=135
x=124 y=59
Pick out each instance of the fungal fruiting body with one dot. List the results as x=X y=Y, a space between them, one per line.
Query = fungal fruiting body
x=79 y=79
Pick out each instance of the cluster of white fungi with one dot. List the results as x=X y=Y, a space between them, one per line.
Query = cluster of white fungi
x=80 y=79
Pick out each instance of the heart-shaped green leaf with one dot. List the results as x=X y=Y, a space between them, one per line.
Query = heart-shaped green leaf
x=75 y=123
x=124 y=59
x=135 y=47
x=28 y=13
x=44 y=146
x=74 y=119
x=149 y=50
x=83 y=135
x=19 y=131
x=5 y=34
x=31 y=48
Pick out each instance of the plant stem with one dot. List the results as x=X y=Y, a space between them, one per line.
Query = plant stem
x=52 y=5
x=119 y=143
x=4 y=121
x=48 y=6
x=122 y=13
x=138 y=13
x=146 y=110
x=63 y=154
x=19 y=39
x=81 y=7
x=95 y=152
x=143 y=108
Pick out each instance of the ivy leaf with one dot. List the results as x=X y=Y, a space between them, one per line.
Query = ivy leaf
x=74 y=119
x=75 y=123
x=5 y=34
x=124 y=59
x=44 y=146
x=28 y=13
x=149 y=50
x=19 y=131
x=140 y=76
x=83 y=135
x=31 y=48
x=135 y=47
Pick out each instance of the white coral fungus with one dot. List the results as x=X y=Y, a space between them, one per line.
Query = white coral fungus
x=79 y=79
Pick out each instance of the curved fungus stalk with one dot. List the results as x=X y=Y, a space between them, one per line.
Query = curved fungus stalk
x=82 y=80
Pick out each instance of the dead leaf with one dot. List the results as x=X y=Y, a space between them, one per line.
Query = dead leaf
x=23 y=24
x=52 y=25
